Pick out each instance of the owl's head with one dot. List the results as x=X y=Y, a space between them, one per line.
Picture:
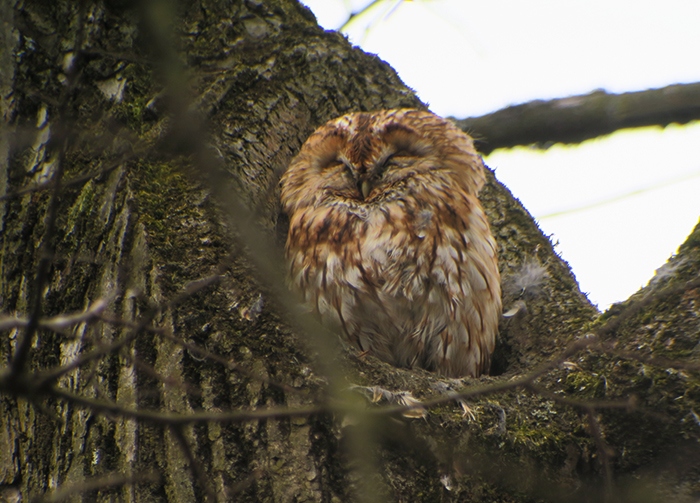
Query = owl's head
x=369 y=158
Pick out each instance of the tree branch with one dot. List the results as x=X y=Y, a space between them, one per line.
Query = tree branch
x=578 y=118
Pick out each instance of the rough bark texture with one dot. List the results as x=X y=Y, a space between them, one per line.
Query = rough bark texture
x=97 y=89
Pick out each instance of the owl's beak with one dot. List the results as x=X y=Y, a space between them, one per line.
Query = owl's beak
x=365 y=188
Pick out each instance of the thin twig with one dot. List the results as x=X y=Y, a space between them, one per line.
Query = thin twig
x=60 y=322
x=174 y=419
x=355 y=14
x=628 y=404
x=192 y=287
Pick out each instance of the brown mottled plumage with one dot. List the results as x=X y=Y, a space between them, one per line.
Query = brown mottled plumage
x=389 y=243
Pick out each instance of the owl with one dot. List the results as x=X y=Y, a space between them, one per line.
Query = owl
x=389 y=244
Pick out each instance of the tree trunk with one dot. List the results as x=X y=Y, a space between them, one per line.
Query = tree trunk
x=146 y=340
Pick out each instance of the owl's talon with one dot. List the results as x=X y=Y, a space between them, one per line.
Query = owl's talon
x=467 y=411
x=377 y=394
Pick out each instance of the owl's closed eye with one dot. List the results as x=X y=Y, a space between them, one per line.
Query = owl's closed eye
x=388 y=242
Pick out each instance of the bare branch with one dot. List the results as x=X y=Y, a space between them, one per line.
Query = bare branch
x=168 y=419
x=578 y=118
x=354 y=15
x=189 y=289
x=60 y=322
x=628 y=404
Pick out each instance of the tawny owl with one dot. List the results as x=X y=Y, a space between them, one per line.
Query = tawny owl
x=389 y=243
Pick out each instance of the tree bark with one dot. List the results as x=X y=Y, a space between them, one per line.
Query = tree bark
x=147 y=350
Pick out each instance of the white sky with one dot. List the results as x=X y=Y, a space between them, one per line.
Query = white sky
x=468 y=58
